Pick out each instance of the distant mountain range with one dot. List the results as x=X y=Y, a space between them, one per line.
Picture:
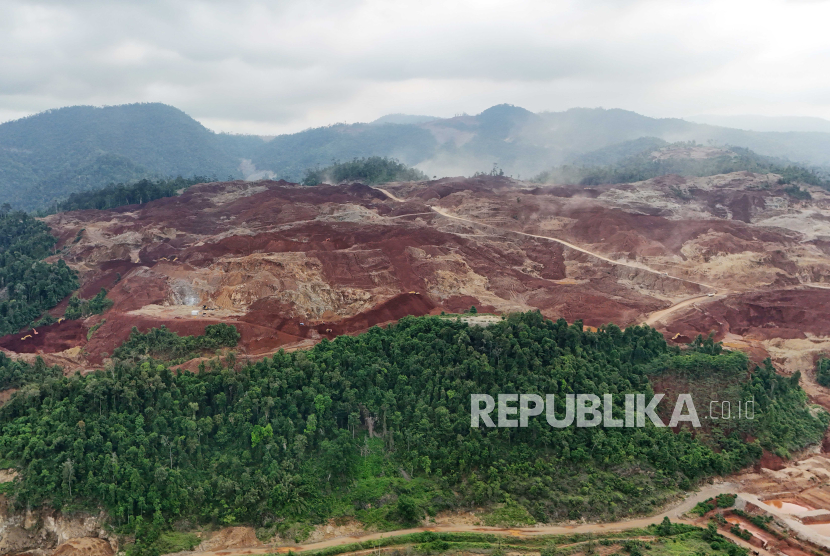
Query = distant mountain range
x=50 y=155
x=765 y=123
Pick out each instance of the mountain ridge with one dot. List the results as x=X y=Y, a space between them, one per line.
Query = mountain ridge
x=48 y=156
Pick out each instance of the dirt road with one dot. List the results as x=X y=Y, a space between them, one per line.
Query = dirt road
x=390 y=195
x=674 y=513
x=569 y=245
x=651 y=319
x=657 y=316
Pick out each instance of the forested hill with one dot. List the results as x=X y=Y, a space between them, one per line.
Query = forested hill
x=647 y=158
x=47 y=156
x=377 y=427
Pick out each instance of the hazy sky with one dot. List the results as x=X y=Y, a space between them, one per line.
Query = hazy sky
x=276 y=67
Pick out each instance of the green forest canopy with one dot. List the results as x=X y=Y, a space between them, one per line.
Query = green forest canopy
x=162 y=343
x=28 y=285
x=377 y=427
x=120 y=194
x=371 y=171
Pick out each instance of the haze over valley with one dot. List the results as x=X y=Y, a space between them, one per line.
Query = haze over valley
x=47 y=156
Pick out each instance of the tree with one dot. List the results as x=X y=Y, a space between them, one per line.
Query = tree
x=261 y=434
x=711 y=532
x=664 y=529
x=68 y=474
x=407 y=509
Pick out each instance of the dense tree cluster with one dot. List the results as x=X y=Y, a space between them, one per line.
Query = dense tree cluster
x=116 y=195
x=796 y=192
x=28 y=285
x=289 y=156
x=14 y=374
x=372 y=170
x=377 y=426
x=161 y=343
x=81 y=308
x=823 y=371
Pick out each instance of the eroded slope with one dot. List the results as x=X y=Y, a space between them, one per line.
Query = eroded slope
x=288 y=264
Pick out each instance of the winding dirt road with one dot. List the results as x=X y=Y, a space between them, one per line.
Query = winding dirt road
x=651 y=318
x=657 y=316
x=674 y=513
x=569 y=245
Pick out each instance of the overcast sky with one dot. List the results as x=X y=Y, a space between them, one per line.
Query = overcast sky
x=277 y=67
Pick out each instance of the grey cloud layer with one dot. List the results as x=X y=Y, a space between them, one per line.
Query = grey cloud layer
x=282 y=66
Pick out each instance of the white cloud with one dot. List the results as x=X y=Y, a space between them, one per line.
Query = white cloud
x=272 y=67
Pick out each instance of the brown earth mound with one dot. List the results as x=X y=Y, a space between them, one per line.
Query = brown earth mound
x=49 y=339
x=792 y=313
x=230 y=537
x=84 y=547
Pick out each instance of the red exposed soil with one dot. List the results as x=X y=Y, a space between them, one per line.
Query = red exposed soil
x=254 y=338
x=288 y=263
x=388 y=311
x=84 y=547
x=770 y=461
x=567 y=191
x=648 y=231
x=142 y=287
x=111 y=271
x=791 y=313
x=447 y=186
x=49 y=339
x=270 y=311
x=646 y=235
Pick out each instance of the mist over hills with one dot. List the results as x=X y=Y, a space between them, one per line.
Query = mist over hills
x=753 y=122
x=48 y=156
